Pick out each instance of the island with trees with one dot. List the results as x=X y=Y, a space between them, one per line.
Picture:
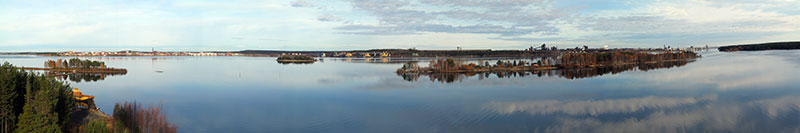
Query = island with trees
x=565 y=61
x=763 y=46
x=76 y=65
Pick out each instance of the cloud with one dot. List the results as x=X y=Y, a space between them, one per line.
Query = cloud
x=503 y=18
x=416 y=29
x=301 y=3
x=329 y=17
x=495 y=23
x=706 y=22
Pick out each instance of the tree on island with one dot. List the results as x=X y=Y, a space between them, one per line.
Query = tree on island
x=74 y=63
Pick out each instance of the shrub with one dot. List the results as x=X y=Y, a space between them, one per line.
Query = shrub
x=96 y=126
x=131 y=117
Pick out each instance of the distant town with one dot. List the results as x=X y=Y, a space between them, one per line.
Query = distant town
x=543 y=49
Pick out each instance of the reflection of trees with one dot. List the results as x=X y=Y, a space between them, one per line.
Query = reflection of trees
x=576 y=73
x=593 y=72
x=289 y=63
x=80 y=77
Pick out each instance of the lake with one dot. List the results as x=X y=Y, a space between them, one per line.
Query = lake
x=720 y=92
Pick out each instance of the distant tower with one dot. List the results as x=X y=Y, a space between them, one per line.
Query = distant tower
x=544 y=46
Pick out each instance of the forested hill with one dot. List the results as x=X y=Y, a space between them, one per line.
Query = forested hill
x=763 y=46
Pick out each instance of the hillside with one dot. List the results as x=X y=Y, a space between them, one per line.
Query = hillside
x=763 y=46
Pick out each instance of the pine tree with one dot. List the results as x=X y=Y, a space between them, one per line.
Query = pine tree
x=8 y=96
x=32 y=103
x=39 y=114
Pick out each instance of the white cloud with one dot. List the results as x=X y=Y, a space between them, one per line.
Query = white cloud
x=498 y=24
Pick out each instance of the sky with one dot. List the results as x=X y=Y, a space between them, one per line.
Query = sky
x=179 y=25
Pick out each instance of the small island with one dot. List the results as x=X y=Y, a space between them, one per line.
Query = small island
x=76 y=65
x=296 y=59
x=763 y=46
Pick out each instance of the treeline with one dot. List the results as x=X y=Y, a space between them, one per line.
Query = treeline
x=765 y=46
x=32 y=103
x=451 y=64
x=579 y=60
x=74 y=63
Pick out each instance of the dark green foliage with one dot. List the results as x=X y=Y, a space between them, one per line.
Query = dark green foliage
x=10 y=100
x=32 y=103
x=39 y=114
x=765 y=46
x=96 y=126
x=451 y=62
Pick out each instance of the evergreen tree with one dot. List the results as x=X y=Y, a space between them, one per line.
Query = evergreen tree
x=32 y=103
x=39 y=114
x=8 y=98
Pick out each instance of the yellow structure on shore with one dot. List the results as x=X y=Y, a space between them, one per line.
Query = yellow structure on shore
x=384 y=54
x=348 y=54
x=367 y=55
x=79 y=95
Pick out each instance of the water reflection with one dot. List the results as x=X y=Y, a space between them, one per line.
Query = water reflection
x=721 y=92
x=657 y=114
x=596 y=107
x=291 y=63
x=81 y=77
x=563 y=73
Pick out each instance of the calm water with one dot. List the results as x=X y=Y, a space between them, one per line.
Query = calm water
x=741 y=91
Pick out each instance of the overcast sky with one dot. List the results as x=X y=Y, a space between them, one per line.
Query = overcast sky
x=33 y=25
